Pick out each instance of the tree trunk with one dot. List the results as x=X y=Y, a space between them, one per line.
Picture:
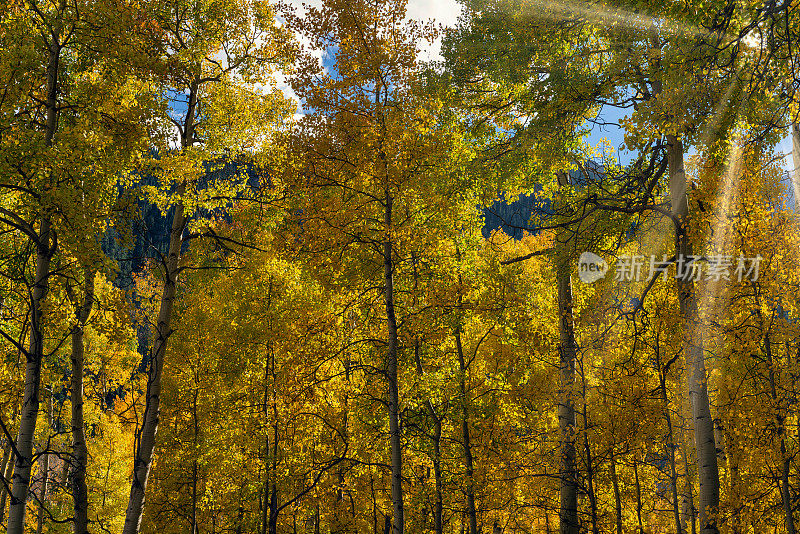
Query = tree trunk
x=7 y=473
x=673 y=469
x=568 y=351
x=438 y=527
x=33 y=370
x=33 y=367
x=45 y=466
x=566 y=409
x=796 y=161
x=472 y=513
x=689 y=519
x=398 y=524
x=786 y=496
x=707 y=468
x=617 y=496
x=436 y=440
x=195 y=435
x=146 y=439
x=588 y=452
x=638 y=494
x=79 y=450
x=273 y=509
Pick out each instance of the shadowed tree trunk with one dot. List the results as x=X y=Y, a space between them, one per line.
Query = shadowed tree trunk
x=638 y=494
x=617 y=496
x=673 y=468
x=79 y=450
x=44 y=462
x=398 y=523
x=436 y=441
x=472 y=513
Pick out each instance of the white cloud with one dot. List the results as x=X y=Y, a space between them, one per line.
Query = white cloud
x=444 y=12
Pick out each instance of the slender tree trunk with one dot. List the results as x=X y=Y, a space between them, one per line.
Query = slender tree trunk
x=196 y=428
x=568 y=351
x=273 y=509
x=4 y=497
x=638 y=494
x=472 y=513
x=689 y=520
x=398 y=524
x=146 y=439
x=707 y=467
x=33 y=368
x=268 y=372
x=588 y=452
x=341 y=521
x=374 y=504
x=617 y=496
x=734 y=484
x=45 y=466
x=8 y=470
x=79 y=449
x=438 y=527
x=273 y=498
x=436 y=441
x=5 y=471
x=566 y=412
x=796 y=161
x=786 y=496
x=673 y=469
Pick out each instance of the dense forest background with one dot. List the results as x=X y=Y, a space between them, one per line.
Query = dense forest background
x=264 y=270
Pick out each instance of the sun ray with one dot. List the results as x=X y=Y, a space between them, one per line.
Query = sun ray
x=606 y=15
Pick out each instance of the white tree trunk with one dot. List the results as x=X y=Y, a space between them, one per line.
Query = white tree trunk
x=707 y=468
x=145 y=444
x=796 y=161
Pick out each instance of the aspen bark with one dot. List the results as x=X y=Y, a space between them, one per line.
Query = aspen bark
x=398 y=521
x=5 y=471
x=45 y=466
x=472 y=513
x=195 y=434
x=707 y=467
x=568 y=350
x=732 y=458
x=79 y=449
x=436 y=440
x=146 y=438
x=796 y=161
x=33 y=368
x=786 y=497
x=617 y=496
x=673 y=468
x=588 y=453
x=638 y=495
